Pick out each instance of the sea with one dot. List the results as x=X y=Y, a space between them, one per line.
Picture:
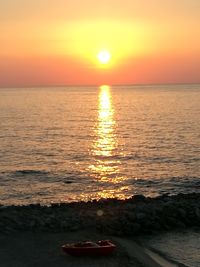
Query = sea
x=79 y=143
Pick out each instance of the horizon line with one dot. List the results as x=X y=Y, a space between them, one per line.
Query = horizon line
x=97 y=85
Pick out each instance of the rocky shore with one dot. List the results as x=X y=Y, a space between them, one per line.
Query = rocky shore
x=134 y=216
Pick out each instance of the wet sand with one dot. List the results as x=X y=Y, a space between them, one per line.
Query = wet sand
x=44 y=249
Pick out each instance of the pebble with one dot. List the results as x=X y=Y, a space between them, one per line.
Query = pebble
x=133 y=216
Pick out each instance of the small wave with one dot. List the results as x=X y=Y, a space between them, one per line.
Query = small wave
x=170 y=184
x=29 y=172
x=117 y=157
x=68 y=182
x=143 y=158
x=147 y=181
x=83 y=157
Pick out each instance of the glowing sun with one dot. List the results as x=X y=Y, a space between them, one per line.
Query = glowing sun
x=104 y=56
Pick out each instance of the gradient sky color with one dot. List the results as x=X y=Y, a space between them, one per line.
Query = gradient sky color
x=56 y=42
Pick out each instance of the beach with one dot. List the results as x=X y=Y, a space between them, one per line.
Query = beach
x=33 y=234
x=44 y=249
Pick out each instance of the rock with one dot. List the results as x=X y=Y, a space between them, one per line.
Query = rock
x=197 y=212
x=74 y=228
x=136 y=227
x=32 y=224
x=138 y=198
x=64 y=224
x=141 y=216
x=132 y=216
x=182 y=213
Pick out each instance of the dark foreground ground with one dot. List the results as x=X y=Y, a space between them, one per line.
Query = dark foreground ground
x=135 y=216
x=44 y=249
x=32 y=235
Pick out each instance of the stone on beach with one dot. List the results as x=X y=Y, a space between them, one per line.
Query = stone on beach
x=133 y=216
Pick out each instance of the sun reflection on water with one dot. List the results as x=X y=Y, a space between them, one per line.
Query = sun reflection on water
x=105 y=145
x=106 y=141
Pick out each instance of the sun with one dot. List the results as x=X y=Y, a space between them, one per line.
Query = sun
x=104 y=56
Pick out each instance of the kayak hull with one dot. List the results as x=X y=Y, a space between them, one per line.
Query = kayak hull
x=102 y=248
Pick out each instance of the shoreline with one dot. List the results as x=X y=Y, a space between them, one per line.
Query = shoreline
x=137 y=215
x=37 y=232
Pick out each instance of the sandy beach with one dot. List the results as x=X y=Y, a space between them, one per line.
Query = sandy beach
x=44 y=249
x=33 y=235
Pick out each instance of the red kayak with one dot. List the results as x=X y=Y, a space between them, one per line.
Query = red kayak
x=99 y=248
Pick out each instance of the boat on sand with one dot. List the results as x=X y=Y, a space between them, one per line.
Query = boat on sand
x=89 y=248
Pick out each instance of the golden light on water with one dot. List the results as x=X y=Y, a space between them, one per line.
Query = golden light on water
x=105 y=168
x=106 y=142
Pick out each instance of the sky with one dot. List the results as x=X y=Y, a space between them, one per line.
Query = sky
x=56 y=42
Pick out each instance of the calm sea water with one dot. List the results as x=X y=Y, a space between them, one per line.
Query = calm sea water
x=80 y=143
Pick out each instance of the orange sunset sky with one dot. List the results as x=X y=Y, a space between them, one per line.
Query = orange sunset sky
x=56 y=42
